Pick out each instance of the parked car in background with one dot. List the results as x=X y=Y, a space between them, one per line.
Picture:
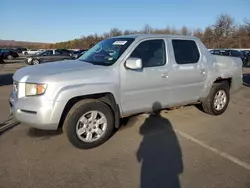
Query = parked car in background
x=228 y=52
x=246 y=54
x=78 y=53
x=49 y=56
x=19 y=50
x=144 y=73
x=8 y=54
x=31 y=52
x=1 y=58
x=71 y=52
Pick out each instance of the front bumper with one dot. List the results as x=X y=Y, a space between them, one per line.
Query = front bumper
x=28 y=61
x=37 y=112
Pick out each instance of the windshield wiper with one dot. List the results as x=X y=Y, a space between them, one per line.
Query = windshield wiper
x=85 y=61
x=96 y=63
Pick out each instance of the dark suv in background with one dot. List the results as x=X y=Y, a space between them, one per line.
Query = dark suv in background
x=18 y=50
x=8 y=54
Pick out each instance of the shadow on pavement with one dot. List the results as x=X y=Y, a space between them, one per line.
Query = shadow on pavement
x=8 y=124
x=246 y=79
x=37 y=133
x=159 y=154
x=6 y=79
x=14 y=61
x=128 y=122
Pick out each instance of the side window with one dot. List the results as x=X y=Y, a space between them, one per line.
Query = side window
x=151 y=52
x=57 y=52
x=217 y=52
x=185 y=51
x=48 y=53
x=235 y=53
x=65 y=53
x=3 y=50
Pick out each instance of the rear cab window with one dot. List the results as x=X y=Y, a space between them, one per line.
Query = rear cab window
x=185 y=51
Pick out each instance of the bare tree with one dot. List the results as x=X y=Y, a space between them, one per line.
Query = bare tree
x=208 y=37
x=147 y=29
x=115 y=32
x=224 y=26
x=198 y=33
x=247 y=25
x=126 y=32
x=185 y=31
x=224 y=33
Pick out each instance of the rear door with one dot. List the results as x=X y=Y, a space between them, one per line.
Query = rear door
x=61 y=55
x=187 y=71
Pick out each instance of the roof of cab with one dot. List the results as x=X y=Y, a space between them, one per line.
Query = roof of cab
x=144 y=36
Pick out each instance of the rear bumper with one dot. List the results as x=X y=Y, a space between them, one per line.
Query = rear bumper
x=35 y=112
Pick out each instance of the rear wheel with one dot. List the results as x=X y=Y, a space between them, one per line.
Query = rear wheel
x=217 y=101
x=89 y=124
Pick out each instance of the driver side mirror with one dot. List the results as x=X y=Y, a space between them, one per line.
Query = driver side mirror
x=133 y=63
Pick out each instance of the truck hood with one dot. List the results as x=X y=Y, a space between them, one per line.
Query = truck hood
x=58 y=71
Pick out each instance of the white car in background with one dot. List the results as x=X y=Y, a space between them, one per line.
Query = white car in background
x=31 y=52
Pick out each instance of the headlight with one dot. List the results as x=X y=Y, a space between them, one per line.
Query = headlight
x=29 y=59
x=35 y=89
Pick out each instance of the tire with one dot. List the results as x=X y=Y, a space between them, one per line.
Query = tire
x=35 y=62
x=71 y=125
x=208 y=104
x=10 y=57
x=25 y=53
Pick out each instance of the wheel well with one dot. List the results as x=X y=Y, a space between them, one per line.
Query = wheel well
x=107 y=98
x=228 y=80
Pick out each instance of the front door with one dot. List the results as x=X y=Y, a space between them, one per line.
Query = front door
x=187 y=71
x=142 y=89
x=47 y=56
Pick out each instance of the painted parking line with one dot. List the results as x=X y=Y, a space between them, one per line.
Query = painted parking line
x=214 y=150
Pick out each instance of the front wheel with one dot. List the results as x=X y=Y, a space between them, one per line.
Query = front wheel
x=10 y=57
x=35 y=62
x=89 y=124
x=217 y=101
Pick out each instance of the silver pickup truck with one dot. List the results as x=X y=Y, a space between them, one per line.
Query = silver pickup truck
x=118 y=77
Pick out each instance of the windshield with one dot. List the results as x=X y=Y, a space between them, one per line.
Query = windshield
x=39 y=53
x=107 y=51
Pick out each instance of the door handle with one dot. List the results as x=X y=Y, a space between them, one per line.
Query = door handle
x=202 y=71
x=164 y=75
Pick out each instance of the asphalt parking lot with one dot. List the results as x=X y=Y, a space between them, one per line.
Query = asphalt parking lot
x=182 y=148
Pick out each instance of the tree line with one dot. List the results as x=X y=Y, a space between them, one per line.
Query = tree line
x=224 y=33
